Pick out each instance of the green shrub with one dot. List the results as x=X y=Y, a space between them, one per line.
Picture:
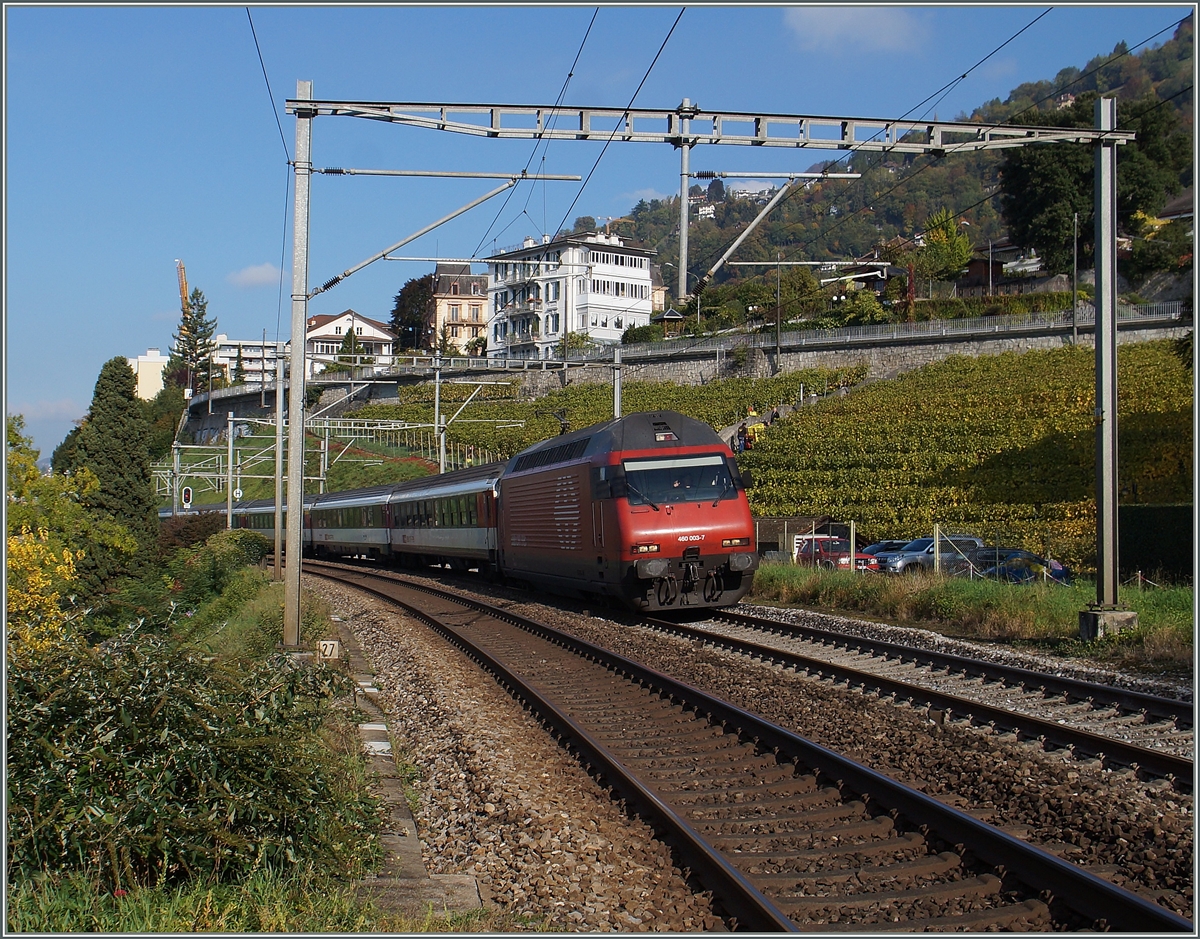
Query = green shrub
x=142 y=762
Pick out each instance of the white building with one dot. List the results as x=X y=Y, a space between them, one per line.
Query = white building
x=588 y=283
x=257 y=355
x=326 y=333
x=148 y=369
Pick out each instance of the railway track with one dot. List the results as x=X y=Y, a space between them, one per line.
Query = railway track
x=788 y=835
x=1151 y=734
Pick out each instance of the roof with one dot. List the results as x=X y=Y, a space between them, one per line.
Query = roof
x=1180 y=206
x=324 y=319
x=590 y=239
x=447 y=274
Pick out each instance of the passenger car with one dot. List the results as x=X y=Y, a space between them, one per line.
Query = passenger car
x=879 y=547
x=1023 y=567
x=830 y=552
x=918 y=555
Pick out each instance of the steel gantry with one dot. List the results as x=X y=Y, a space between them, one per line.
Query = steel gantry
x=687 y=126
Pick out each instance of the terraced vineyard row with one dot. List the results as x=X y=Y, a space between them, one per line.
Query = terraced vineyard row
x=998 y=445
x=719 y=403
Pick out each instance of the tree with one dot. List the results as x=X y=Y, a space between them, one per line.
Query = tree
x=946 y=251
x=477 y=346
x=584 y=223
x=190 y=361
x=113 y=444
x=54 y=530
x=1043 y=187
x=409 y=309
x=239 y=368
x=350 y=354
x=163 y=413
x=446 y=345
x=716 y=191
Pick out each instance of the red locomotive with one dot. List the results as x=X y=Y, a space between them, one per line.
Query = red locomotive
x=648 y=509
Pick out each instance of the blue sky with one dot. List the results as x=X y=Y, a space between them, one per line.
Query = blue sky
x=137 y=135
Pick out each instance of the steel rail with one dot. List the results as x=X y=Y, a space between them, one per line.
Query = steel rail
x=1177 y=769
x=1181 y=712
x=1092 y=897
x=741 y=899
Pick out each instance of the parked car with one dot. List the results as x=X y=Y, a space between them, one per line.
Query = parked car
x=830 y=552
x=881 y=546
x=1024 y=567
x=918 y=555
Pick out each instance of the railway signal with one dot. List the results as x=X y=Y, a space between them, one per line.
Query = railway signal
x=186 y=495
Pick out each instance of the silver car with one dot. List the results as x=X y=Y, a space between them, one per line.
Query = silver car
x=918 y=555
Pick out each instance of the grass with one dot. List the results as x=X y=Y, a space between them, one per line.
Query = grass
x=268 y=901
x=1042 y=617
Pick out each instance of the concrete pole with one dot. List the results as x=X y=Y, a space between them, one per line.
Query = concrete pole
x=175 y=479
x=1075 y=283
x=685 y=111
x=1106 y=358
x=278 y=462
x=229 y=469
x=617 y=381
x=295 y=498
x=437 y=412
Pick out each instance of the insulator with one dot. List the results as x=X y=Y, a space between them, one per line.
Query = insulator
x=331 y=282
x=334 y=171
x=706 y=174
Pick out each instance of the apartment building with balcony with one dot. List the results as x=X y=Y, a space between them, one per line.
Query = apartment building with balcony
x=458 y=309
x=587 y=283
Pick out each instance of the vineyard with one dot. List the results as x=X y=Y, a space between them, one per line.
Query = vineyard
x=999 y=446
x=719 y=403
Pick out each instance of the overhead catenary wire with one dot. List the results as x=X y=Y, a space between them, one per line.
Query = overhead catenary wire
x=1032 y=107
x=270 y=94
x=287 y=188
x=945 y=89
x=613 y=135
x=539 y=140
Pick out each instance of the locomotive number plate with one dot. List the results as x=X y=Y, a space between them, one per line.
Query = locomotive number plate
x=691 y=537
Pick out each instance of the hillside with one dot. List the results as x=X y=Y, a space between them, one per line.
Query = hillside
x=1000 y=446
x=897 y=193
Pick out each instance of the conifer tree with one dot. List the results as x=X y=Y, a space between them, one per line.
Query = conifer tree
x=113 y=442
x=191 y=351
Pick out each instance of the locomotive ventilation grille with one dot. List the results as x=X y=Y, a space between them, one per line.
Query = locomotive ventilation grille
x=560 y=454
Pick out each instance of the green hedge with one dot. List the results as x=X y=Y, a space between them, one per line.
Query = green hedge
x=1156 y=540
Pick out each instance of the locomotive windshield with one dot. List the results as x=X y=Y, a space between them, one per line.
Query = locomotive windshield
x=679 y=479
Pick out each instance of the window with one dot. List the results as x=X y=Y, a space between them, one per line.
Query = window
x=455 y=312
x=358 y=330
x=475 y=290
x=454 y=288
x=475 y=308
x=337 y=330
x=453 y=332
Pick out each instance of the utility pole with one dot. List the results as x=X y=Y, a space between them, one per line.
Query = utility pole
x=229 y=470
x=175 y=479
x=685 y=111
x=1075 y=283
x=1105 y=613
x=778 y=312
x=617 y=380
x=437 y=411
x=278 y=462
x=295 y=498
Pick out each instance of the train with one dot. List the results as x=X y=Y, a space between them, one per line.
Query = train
x=648 y=510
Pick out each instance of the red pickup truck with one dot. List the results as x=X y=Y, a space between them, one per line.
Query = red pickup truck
x=830 y=552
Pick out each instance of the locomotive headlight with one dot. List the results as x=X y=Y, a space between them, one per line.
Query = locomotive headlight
x=651 y=568
x=740 y=562
x=645 y=549
x=735 y=542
